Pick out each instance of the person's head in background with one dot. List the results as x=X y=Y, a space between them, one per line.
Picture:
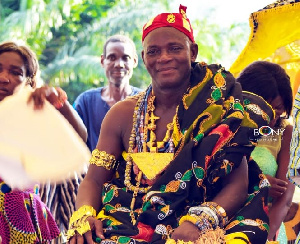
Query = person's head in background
x=118 y=59
x=270 y=81
x=18 y=67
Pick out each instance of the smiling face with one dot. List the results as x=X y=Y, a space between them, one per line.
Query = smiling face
x=118 y=62
x=12 y=73
x=167 y=54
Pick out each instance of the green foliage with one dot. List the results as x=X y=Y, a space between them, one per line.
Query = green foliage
x=81 y=53
x=7 y=7
x=218 y=44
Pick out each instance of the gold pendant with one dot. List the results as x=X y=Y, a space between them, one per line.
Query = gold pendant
x=151 y=164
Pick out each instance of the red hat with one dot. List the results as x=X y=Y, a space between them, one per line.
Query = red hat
x=176 y=20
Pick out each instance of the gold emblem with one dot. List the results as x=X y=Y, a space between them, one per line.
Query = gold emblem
x=151 y=164
x=171 y=18
x=148 y=24
x=183 y=13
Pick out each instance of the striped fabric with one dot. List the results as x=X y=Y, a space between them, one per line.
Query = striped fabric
x=294 y=166
x=60 y=199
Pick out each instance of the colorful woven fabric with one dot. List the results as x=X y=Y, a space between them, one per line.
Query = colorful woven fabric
x=294 y=166
x=275 y=37
x=24 y=218
x=215 y=132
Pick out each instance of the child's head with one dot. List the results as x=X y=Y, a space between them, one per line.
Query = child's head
x=270 y=81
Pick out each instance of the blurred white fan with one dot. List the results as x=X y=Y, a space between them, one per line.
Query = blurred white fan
x=37 y=145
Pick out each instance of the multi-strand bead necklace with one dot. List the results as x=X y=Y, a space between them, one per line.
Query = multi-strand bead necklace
x=143 y=139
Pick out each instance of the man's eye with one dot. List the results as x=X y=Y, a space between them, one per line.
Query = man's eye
x=152 y=52
x=126 y=59
x=175 y=49
x=17 y=73
x=111 y=58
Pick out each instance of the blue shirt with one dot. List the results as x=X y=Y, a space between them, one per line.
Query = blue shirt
x=92 y=109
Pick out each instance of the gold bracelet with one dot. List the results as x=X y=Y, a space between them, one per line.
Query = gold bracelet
x=103 y=159
x=188 y=218
x=78 y=221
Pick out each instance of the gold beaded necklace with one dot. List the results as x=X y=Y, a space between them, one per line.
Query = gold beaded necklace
x=148 y=128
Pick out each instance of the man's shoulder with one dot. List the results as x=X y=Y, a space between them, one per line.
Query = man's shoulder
x=134 y=97
x=90 y=93
x=135 y=90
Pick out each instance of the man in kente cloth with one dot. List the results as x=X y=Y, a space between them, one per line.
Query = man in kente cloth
x=172 y=163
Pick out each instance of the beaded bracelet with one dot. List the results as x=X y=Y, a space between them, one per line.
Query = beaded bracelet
x=212 y=209
x=103 y=159
x=221 y=213
x=202 y=222
x=78 y=221
x=208 y=215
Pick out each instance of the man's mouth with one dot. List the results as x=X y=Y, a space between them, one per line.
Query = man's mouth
x=3 y=90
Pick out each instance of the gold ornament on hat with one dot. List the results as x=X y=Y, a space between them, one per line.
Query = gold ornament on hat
x=183 y=13
x=171 y=18
x=148 y=23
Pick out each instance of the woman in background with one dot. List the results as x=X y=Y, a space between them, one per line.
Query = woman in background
x=271 y=82
x=24 y=218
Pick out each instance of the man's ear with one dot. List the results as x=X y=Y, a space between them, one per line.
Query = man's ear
x=143 y=56
x=135 y=61
x=194 y=51
x=102 y=60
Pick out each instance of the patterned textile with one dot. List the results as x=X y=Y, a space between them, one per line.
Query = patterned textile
x=211 y=134
x=268 y=42
x=24 y=218
x=60 y=199
x=294 y=165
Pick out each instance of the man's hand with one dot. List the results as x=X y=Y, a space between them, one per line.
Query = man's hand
x=278 y=186
x=96 y=226
x=187 y=231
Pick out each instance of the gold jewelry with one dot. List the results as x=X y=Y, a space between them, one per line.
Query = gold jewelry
x=151 y=164
x=103 y=159
x=146 y=160
x=188 y=218
x=78 y=221
x=128 y=177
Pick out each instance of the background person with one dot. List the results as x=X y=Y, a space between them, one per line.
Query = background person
x=271 y=82
x=294 y=165
x=293 y=173
x=23 y=216
x=119 y=58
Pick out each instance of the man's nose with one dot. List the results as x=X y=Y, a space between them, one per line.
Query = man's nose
x=119 y=63
x=164 y=56
x=4 y=77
